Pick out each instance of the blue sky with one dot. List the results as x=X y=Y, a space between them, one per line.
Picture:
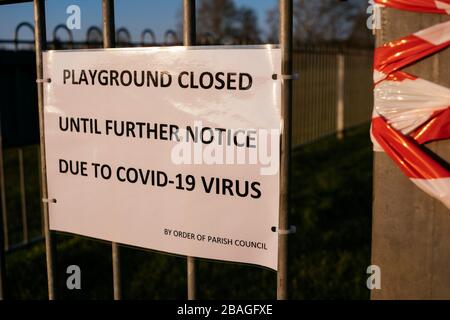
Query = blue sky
x=136 y=15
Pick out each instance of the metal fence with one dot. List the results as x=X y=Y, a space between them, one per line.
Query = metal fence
x=62 y=38
x=333 y=93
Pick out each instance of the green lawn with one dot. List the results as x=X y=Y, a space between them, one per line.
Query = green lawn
x=328 y=256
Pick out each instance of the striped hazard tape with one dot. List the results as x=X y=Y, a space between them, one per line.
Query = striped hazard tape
x=402 y=52
x=410 y=111
x=428 y=6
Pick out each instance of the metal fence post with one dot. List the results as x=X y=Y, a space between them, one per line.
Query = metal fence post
x=189 y=25
x=189 y=39
x=3 y=225
x=23 y=196
x=20 y=155
x=109 y=42
x=50 y=244
x=286 y=116
x=340 y=96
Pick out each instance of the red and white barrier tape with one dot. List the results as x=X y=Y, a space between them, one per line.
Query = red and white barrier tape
x=402 y=52
x=427 y=6
x=413 y=106
x=410 y=111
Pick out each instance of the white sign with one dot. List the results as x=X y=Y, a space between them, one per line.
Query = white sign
x=173 y=149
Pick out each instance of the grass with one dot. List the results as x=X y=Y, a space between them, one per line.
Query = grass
x=328 y=256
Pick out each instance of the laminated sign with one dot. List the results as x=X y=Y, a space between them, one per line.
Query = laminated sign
x=172 y=149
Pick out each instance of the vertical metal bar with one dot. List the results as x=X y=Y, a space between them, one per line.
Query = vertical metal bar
x=50 y=244
x=309 y=88
x=295 y=102
x=323 y=96
x=333 y=128
x=109 y=35
x=314 y=95
x=191 y=278
x=2 y=266
x=305 y=94
x=23 y=198
x=117 y=277
x=109 y=41
x=189 y=28
x=313 y=109
x=3 y=225
x=286 y=116
x=329 y=81
x=5 y=236
x=340 y=92
x=333 y=99
x=189 y=39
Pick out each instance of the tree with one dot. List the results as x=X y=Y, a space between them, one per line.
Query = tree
x=217 y=18
x=318 y=21
x=248 y=31
x=220 y=21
